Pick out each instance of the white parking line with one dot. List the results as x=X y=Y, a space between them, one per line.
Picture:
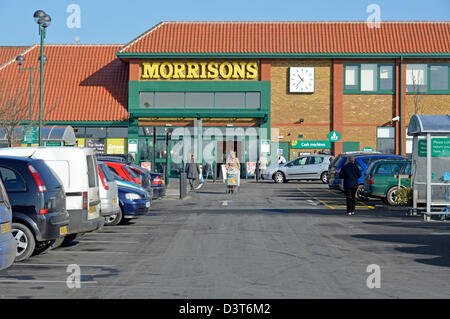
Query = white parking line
x=87 y=252
x=15 y=281
x=107 y=242
x=63 y=265
x=114 y=233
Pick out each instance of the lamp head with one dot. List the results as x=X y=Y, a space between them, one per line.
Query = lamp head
x=20 y=59
x=39 y=14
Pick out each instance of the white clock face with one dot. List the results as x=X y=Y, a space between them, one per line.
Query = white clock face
x=301 y=79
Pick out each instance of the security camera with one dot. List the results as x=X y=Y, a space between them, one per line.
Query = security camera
x=397 y=118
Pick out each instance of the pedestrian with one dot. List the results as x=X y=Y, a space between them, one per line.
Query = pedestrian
x=233 y=167
x=262 y=165
x=281 y=159
x=350 y=173
x=193 y=172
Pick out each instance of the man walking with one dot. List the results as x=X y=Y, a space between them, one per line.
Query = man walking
x=350 y=173
x=192 y=172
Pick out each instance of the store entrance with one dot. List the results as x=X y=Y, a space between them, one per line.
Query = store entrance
x=224 y=149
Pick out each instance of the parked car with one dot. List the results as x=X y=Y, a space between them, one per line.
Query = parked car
x=304 y=167
x=109 y=196
x=133 y=203
x=154 y=180
x=38 y=204
x=77 y=169
x=121 y=169
x=123 y=182
x=8 y=247
x=362 y=161
x=381 y=179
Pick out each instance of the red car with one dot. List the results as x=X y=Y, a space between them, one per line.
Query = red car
x=124 y=171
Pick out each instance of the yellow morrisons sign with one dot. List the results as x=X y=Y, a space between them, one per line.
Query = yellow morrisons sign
x=200 y=70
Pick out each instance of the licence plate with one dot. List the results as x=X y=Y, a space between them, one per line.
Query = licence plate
x=63 y=230
x=6 y=228
x=147 y=204
x=114 y=202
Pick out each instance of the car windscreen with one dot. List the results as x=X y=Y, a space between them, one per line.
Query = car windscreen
x=389 y=168
x=92 y=172
x=108 y=175
x=131 y=172
x=51 y=179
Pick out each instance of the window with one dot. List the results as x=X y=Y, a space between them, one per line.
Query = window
x=315 y=160
x=117 y=132
x=199 y=100
x=96 y=132
x=369 y=78
x=386 y=140
x=92 y=171
x=389 y=169
x=169 y=99
x=386 y=77
x=351 y=77
x=416 y=77
x=438 y=77
x=226 y=100
x=427 y=78
x=79 y=132
x=12 y=180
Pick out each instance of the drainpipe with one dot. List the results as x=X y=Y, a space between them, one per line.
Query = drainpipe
x=400 y=121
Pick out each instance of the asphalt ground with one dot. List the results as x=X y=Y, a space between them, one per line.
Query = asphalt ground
x=269 y=240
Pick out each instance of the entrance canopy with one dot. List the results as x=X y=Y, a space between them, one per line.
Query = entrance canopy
x=65 y=135
x=422 y=124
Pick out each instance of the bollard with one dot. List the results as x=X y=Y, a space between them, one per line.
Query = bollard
x=183 y=189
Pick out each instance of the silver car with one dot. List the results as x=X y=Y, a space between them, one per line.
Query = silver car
x=304 y=167
x=108 y=194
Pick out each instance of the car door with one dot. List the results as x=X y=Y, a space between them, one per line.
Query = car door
x=315 y=166
x=295 y=169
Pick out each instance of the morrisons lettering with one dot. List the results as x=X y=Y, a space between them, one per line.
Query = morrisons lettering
x=200 y=70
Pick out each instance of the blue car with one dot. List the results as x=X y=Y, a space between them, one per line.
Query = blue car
x=362 y=161
x=133 y=203
x=7 y=242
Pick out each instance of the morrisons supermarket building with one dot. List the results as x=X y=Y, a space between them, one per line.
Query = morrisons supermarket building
x=285 y=85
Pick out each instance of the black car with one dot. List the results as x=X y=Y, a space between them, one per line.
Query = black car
x=149 y=179
x=38 y=204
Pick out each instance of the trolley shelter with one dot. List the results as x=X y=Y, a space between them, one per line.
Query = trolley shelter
x=431 y=163
x=51 y=136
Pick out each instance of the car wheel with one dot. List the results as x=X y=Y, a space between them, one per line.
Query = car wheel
x=391 y=196
x=42 y=247
x=324 y=177
x=58 y=242
x=114 y=220
x=69 y=238
x=24 y=239
x=359 y=193
x=279 y=177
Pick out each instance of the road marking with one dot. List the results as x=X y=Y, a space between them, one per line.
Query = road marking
x=225 y=203
x=15 y=281
x=106 y=242
x=113 y=233
x=321 y=201
x=87 y=252
x=63 y=265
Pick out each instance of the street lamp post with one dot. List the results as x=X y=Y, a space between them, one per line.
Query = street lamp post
x=43 y=20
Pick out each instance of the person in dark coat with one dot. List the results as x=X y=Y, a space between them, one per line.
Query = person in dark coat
x=350 y=173
x=192 y=171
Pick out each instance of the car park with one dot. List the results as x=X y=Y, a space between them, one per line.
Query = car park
x=7 y=241
x=76 y=167
x=308 y=167
x=108 y=193
x=38 y=204
x=381 y=179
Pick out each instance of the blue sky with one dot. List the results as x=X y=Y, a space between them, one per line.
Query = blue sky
x=118 y=22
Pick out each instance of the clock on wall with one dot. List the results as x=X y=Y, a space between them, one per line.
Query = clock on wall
x=301 y=79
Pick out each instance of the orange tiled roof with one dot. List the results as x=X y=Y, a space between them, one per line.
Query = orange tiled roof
x=10 y=52
x=292 y=37
x=81 y=83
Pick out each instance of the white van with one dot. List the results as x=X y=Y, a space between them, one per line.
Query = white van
x=77 y=169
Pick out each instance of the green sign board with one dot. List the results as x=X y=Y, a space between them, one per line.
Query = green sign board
x=132 y=146
x=440 y=147
x=30 y=135
x=334 y=136
x=310 y=144
x=367 y=149
x=52 y=143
